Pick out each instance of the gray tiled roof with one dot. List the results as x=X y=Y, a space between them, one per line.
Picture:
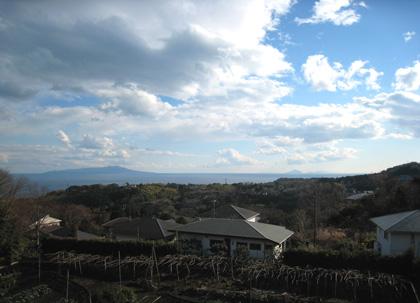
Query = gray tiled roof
x=230 y=212
x=408 y=221
x=146 y=228
x=237 y=228
x=65 y=232
x=116 y=221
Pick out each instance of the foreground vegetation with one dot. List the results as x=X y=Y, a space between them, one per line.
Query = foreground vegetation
x=332 y=233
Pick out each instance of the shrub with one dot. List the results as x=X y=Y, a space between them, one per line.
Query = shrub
x=115 y=295
x=362 y=260
x=108 y=247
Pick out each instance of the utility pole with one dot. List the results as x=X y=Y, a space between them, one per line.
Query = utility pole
x=315 y=216
x=38 y=244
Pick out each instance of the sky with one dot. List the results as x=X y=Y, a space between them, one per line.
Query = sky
x=247 y=86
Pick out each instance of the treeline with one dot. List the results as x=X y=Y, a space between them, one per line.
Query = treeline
x=287 y=202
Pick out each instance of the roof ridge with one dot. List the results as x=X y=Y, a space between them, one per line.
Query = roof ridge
x=249 y=223
x=404 y=218
x=237 y=211
x=162 y=231
x=236 y=208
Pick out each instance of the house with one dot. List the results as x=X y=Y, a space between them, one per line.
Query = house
x=259 y=240
x=64 y=232
x=45 y=221
x=125 y=228
x=360 y=195
x=232 y=212
x=397 y=233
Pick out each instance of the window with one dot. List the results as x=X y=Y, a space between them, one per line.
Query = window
x=412 y=240
x=268 y=247
x=254 y=246
x=385 y=235
x=241 y=245
x=215 y=242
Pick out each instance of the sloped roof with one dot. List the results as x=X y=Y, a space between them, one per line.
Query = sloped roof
x=46 y=220
x=115 y=221
x=408 y=221
x=65 y=232
x=230 y=212
x=272 y=232
x=237 y=228
x=146 y=228
x=359 y=196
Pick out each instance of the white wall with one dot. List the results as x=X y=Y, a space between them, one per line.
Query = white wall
x=254 y=219
x=400 y=243
x=205 y=242
x=396 y=243
x=382 y=245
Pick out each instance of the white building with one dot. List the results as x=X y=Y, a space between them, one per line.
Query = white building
x=397 y=233
x=259 y=240
x=46 y=221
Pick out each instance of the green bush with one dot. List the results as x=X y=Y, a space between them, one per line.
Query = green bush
x=362 y=260
x=29 y=295
x=7 y=282
x=114 y=294
x=108 y=247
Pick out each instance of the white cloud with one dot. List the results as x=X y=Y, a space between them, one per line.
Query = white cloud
x=362 y=4
x=267 y=147
x=322 y=75
x=403 y=110
x=400 y=136
x=408 y=36
x=102 y=147
x=36 y=158
x=130 y=100
x=321 y=153
x=408 y=78
x=90 y=142
x=159 y=152
x=338 y=12
x=181 y=49
x=64 y=138
x=277 y=145
x=230 y=156
x=3 y=157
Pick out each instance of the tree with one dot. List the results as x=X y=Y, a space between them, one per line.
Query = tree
x=11 y=236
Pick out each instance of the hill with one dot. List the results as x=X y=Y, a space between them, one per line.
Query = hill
x=54 y=180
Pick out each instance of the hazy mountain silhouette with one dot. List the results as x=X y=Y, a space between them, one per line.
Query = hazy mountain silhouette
x=120 y=175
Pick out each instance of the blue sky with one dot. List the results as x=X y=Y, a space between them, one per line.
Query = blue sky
x=209 y=86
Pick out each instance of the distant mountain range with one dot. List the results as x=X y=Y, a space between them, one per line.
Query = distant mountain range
x=115 y=174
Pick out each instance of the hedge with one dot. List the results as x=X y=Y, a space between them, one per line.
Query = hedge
x=363 y=260
x=108 y=247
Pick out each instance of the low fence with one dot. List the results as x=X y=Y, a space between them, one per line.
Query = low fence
x=269 y=274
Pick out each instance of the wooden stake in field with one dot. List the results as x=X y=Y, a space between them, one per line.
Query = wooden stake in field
x=38 y=245
x=67 y=285
x=119 y=268
x=155 y=261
